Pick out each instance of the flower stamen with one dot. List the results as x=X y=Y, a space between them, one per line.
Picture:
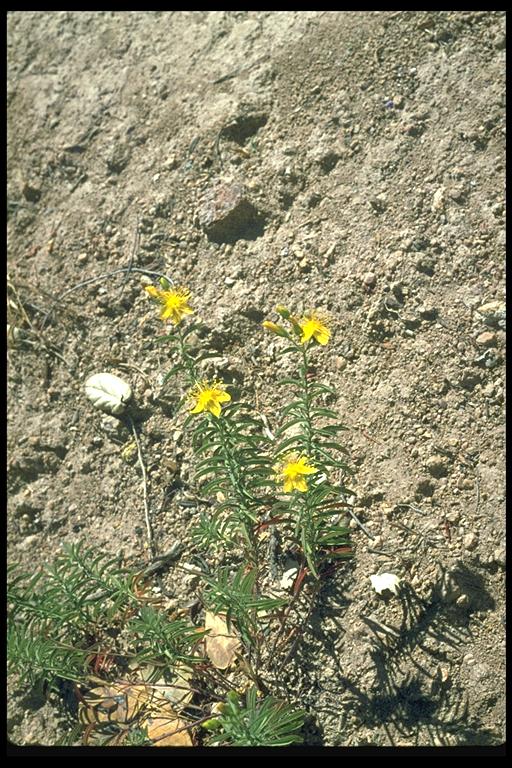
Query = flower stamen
x=174 y=303
x=208 y=396
x=291 y=473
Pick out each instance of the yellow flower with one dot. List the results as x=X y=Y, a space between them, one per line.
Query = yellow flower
x=208 y=397
x=174 y=303
x=275 y=328
x=312 y=326
x=291 y=472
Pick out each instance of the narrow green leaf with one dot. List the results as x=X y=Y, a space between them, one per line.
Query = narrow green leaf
x=290 y=424
x=334 y=446
x=175 y=369
x=289 y=381
x=297 y=441
x=326 y=412
x=286 y=351
x=321 y=388
x=170 y=338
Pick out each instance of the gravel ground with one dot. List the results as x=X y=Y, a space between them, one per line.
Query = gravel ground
x=349 y=161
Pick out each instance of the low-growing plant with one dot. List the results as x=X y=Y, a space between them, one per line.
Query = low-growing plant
x=255 y=722
x=142 y=676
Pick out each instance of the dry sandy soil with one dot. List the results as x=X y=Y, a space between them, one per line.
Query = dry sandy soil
x=372 y=146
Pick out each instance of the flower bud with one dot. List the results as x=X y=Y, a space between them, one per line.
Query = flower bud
x=212 y=725
x=232 y=697
x=275 y=328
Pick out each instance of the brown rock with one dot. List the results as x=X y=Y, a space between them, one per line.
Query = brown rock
x=227 y=215
x=486 y=339
x=437 y=466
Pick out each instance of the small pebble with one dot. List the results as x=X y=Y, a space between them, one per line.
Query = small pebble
x=29 y=542
x=427 y=312
x=488 y=390
x=486 y=339
x=499 y=556
x=437 y=466
x=470 y=541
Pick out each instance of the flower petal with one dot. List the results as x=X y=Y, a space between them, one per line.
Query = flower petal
x=308 y=329
x=300 y=484
x=153 y=292
x=305 y=469
x=288 y=485
x=322 y=336
x=214 y=407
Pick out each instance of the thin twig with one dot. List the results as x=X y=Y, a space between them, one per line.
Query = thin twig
x=477 y=478
x=284 y=619
x=415 y=509
x=145 y=488
x=103 y=277
x=135 y=248
x=217 y=148
x=38 y=333
x=359 y=523
x=381 y=552
x=299 y=633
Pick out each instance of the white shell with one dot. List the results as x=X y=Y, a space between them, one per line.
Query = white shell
x=384 y=581
x=107 y=392
x=288 y=578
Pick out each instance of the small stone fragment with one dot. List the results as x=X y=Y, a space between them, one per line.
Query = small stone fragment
x=469 y=380
x=486 y=339
x=226 y=214
x=425 y=488
x=499 y=556
x=494 y=314
x=470 y=541
x=437 y=466
x=427 y=312
x=385 y=581
x=438 y=200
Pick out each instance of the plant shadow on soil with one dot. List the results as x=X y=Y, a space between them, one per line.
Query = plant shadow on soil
x=409 y=698
x=421 y=703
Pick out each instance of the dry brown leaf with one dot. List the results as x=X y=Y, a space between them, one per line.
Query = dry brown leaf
x=178 y=694
x=221 y=644
x=162 y=731
x=117 y=702
x=162 y=721
x=161 y=725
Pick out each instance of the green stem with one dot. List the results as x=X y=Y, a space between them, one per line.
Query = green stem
x=187 y=358
x=307 y=402
x=241 y=494
x=305 y=512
